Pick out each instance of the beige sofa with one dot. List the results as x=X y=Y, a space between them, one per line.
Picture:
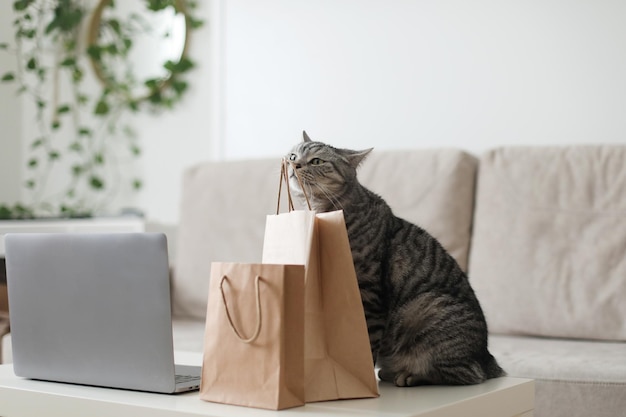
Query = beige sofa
x=541 y=231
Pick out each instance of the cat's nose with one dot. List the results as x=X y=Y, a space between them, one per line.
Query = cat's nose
x=297 y=166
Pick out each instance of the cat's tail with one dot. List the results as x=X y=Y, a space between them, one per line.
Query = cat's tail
x=491 y=367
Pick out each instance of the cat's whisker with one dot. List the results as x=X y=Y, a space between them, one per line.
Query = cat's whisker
x=330 y=196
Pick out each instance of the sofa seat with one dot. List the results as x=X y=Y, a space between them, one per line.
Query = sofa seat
x=570 y=375
x=188 y=334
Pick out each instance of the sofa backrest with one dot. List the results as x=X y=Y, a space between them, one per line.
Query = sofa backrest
x=222 y=217
x=433 y=188
x=224 y=205
x=548 y=254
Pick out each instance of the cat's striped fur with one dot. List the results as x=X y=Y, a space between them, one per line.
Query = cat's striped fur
x=424 y=321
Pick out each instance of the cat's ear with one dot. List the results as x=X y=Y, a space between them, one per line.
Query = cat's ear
x=356 y=157
x=305 y=137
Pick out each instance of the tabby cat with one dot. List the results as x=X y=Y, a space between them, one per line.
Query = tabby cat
x=424 y=321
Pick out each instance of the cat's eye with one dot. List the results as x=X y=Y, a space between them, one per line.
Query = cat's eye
x=292 y=157
x=316 y=161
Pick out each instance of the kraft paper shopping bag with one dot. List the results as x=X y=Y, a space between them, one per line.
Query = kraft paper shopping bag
x=338 y=359
x=253 y=345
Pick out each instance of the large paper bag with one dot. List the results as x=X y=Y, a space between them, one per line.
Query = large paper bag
x=253 y=344
x=338 y=361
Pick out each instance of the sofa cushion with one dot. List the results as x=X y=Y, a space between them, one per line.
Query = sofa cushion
x=433 y=188
x=222 y=218
x=549 y=240
x=224 y=206
x=572 y=377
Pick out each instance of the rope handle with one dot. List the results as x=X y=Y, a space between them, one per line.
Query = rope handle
x=284 y=177
x=258 y=311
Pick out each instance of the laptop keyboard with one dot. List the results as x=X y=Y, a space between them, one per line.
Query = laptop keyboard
x=186 y=378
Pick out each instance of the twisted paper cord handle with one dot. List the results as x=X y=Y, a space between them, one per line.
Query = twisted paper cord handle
x=284 y=177
x=258 y=311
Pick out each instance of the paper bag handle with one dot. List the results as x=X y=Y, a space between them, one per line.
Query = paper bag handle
x=284 y=177
x=258 y=311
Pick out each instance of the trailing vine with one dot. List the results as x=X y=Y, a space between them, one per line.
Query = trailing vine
x=84 y=132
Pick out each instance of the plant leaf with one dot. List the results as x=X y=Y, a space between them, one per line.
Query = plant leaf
x=5 y=212
x=152 y=83
x=185 y=64
x=77 y=75
x=68 y=62
x=9 y=76
x=95 y=52
x=37 y=143
x=77 y=170
x=70 y=45
x=96 y=183
x=179 y=86
x=76 y=147
x=31 y=64
x=102 y=108
x=20 y=5
x=26 y=33
x=196 y=23
x=156 y=5
x=115 y=25
x=63 y=109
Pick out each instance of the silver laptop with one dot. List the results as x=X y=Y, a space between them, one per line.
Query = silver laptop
x=94 y=309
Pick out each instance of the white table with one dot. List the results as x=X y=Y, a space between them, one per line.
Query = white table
x=497 y=397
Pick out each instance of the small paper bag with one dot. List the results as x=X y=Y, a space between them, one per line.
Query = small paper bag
x=253 y=344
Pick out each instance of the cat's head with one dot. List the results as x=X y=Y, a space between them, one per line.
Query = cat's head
x=326 y=172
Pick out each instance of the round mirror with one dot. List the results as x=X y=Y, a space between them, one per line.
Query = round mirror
x=134 y=45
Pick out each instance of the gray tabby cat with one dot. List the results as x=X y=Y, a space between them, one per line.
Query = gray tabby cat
x=424 y=321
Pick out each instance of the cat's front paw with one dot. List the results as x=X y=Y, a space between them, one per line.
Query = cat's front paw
x=400 y=379
x=406 y=379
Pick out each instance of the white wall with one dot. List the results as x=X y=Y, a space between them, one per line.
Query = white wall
x=421 y=73
x=10 y=126
x=360 y=73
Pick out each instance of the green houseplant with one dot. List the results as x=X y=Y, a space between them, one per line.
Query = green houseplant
x=73 y=65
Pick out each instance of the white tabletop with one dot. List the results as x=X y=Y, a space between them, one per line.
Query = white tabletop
x=497 y=397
